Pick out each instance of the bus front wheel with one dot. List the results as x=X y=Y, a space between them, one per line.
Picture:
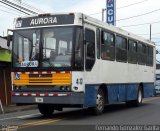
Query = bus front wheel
x=46 y=109
x=100 y=101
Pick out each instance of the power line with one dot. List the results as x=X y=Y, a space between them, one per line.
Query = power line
x=8 y=12
x=20 y=7
x=139 y=15
x=132 y=4
x=9 y=8
x=96 y=13
x=122 y=7
x=155 y=38
x=30 y=6
x=149 y=34
x=141 y=24
x=14 y=7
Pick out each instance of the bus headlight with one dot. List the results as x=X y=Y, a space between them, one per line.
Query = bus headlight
x=75 y=88
x=17 y=88
x=65 y=88
x=62 y=88
x=68 y=88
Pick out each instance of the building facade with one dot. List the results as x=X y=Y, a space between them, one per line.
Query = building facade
x=5 y=72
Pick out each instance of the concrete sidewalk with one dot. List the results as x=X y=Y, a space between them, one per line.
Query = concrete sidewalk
x=15 y=108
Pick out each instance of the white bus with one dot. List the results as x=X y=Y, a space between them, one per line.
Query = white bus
x=73 y=60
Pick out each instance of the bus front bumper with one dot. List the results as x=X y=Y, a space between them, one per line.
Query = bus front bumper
x=70 y=98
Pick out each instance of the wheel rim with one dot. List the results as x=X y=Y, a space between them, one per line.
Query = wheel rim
x=139 y=96
x=99 y=102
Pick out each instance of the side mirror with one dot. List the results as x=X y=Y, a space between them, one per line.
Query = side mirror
x=9 y=39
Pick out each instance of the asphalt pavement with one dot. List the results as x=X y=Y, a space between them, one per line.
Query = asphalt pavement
x=114 y=116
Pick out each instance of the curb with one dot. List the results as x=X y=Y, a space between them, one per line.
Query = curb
x=11 y=109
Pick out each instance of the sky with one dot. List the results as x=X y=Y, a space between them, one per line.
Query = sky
x=94 y=8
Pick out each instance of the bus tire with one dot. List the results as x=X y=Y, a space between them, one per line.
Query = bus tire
x=138 y=101
x=100 y=102
x=46 y=109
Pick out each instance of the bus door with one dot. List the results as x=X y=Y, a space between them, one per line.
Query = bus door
x=89 y=49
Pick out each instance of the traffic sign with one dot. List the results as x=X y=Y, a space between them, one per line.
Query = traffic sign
x=111 y=11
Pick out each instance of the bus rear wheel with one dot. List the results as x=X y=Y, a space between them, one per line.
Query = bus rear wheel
x=99 y=103
x=46 y=109
x=138 y=101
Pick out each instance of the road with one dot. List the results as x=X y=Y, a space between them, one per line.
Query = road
x=81 y=119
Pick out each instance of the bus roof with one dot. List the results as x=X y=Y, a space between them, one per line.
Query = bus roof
x=117 y=30
x=89 y=20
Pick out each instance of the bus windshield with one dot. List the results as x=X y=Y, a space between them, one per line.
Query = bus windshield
x=57 y=47
x=47 y=47
x=26 y=48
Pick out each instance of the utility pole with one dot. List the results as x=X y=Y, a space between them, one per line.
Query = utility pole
x=103 y=10
x=150 y=31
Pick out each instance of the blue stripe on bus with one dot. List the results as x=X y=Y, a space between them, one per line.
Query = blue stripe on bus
x=117 y=93
x=148 y=90
x=90 y=95
x=113 y=93
x=132 y=92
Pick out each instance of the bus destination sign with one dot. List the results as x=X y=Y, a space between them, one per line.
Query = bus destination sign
x=44 y=21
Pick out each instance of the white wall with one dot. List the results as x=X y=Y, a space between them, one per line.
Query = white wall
x=3 y=44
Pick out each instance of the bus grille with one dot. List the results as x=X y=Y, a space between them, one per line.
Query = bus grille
x=44 y=79
x=40 y=78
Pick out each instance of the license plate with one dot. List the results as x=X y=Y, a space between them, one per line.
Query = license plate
x=39 y=99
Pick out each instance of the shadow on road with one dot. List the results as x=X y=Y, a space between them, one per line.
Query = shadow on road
x=74 y=114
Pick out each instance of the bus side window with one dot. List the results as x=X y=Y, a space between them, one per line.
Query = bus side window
x=141 y=53
x=121 y=49
x=150 y=56
x=144 y=55
x=107 y=46
x=98 y=42
x=90 y=48
x=132 y=51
